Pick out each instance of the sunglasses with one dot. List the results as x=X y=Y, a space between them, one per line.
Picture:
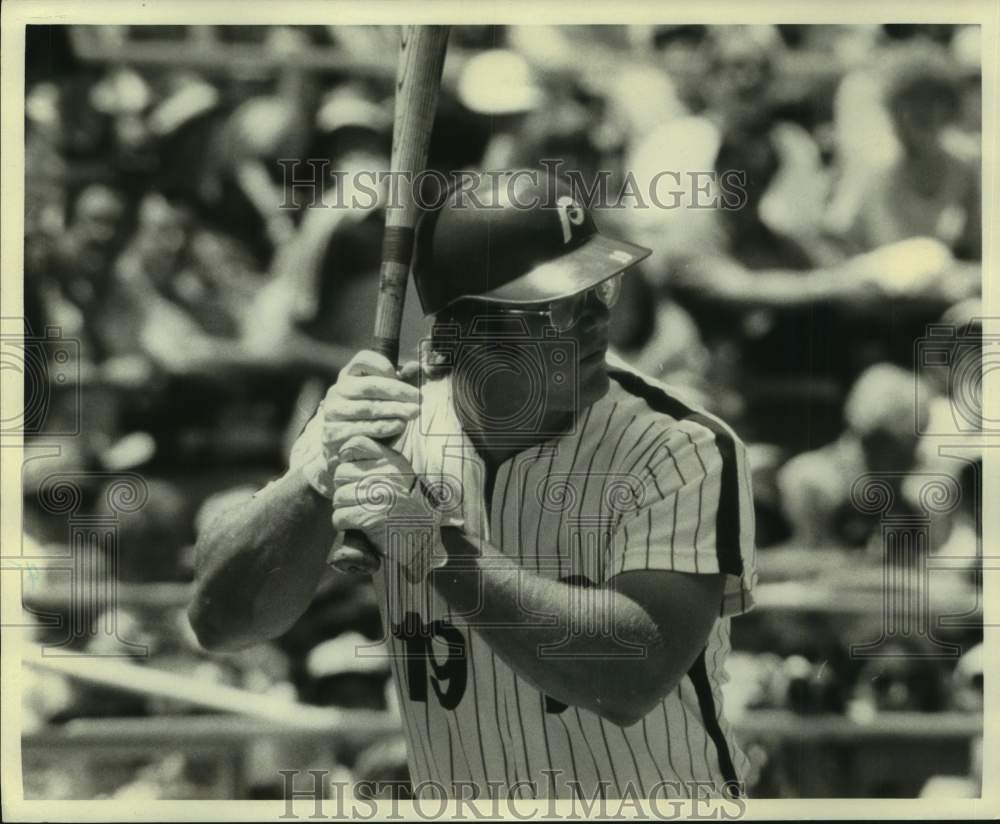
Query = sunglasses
x=564 y=313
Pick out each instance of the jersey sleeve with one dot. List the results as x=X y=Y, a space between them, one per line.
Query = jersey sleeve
x=694 y=513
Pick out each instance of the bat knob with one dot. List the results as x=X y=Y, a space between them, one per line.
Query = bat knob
x=356 y=556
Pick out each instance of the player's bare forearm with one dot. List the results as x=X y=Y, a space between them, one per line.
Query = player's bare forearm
x=646 y=627
x=258 y=565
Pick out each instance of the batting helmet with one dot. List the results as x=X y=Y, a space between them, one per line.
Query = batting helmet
x=513 y=239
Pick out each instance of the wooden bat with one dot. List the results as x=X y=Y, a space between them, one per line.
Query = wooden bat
x=421 y=60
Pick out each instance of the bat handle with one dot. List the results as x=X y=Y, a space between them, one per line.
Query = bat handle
x=356 y=555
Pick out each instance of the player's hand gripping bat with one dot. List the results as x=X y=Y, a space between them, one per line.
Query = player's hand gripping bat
x=421 y=59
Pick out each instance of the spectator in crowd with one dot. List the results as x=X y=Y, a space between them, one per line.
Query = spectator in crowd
x=884 y=412
x=187 y=123
x=507 y=104
x=77 y=275
x=125 y=98
x=72 y=293
x=384 y=769
x=348 y=671
x=789 y=323
x=180 y=328
x=259 y=132
x=150 y=540
x=194 y=290
x=749 y=289
x=187 y=292
x=928 y=191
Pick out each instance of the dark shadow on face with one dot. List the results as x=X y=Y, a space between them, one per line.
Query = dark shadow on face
x=739 y=78
x=517 y=377
x=634 y=323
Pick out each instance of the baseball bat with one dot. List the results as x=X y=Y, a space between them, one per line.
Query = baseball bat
x=421 y=60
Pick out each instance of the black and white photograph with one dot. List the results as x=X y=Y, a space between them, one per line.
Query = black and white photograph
x=430 y=411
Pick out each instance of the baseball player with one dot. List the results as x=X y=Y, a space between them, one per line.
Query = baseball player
x=563 y=541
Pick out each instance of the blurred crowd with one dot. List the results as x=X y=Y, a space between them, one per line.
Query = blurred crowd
x=209 y=306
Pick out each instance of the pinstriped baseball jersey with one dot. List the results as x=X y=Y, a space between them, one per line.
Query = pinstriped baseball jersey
x=643 y=482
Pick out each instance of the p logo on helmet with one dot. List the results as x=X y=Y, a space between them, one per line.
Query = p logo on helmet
x=570 y=214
